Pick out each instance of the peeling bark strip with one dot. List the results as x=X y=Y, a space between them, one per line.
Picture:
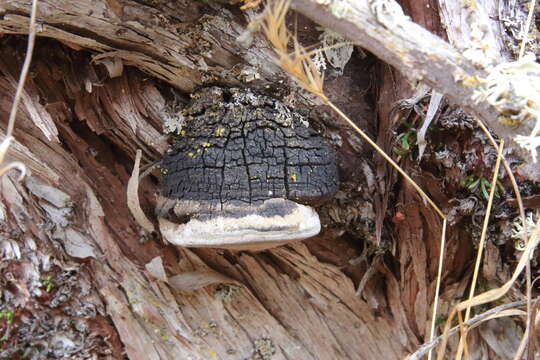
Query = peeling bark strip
x=380 y=27
x=133 y=197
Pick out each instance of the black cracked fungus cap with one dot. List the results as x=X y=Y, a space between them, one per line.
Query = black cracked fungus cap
x=240 y=147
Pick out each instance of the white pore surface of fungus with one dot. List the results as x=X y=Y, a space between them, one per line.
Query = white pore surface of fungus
x=253 y=231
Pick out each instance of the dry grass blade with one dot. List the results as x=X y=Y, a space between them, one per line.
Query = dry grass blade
x=250 y=4
x=504 y=313
x=463 y=341
x=14 y=165
x=299 y=64
x=526 y=338
x=4 y=146
x=532 y=347
x=522 y=216
x=494 y=294
x=507 y=168
x=438 y=286
x=25 y=68
x=532 y=6
x=387 y=158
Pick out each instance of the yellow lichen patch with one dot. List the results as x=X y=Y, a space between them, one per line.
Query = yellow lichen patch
x=190 y=154
x=220 y=131
x=508 y=121
x=206 y=144
x=469 y=81
x=294 y=177
x=162 y=333
x=250 y=4
x=470 y=4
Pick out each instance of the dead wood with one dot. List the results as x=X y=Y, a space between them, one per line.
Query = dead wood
x=284 y=303
x=85 y=112
x=382 y=28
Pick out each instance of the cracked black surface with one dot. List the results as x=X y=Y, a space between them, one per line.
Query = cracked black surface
x=238 y=146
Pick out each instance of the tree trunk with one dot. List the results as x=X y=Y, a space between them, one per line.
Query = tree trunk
x=81 y=278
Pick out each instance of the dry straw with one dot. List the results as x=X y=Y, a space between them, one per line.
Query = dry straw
x=4 y=146
x=298 y=63
x=463 y=344
x=493 y=294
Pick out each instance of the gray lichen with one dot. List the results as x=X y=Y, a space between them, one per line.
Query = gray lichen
x=264 y=349
x=226 y=292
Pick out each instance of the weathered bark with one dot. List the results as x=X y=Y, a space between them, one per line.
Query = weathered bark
x=187 y=44
x=78 y=131
x=191 y=55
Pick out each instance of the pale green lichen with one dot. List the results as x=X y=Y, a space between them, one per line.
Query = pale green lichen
x=264 y=349
x=337 y=49
x=226 y=292
x=522 y=231
x=388 y=12
x=319 y=61
x=172 y=123
x=478 y=50
x=513 y=88
x=207 y=328
x=339 y=8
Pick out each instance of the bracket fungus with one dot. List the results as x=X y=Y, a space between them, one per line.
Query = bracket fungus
x=242 y=173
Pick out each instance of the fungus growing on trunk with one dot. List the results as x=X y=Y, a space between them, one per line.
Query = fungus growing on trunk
x=242 y=173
